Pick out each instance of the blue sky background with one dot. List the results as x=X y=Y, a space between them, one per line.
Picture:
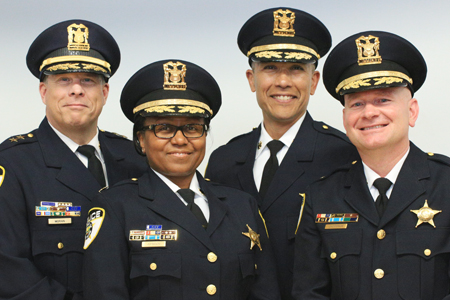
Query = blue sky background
x=205 y=33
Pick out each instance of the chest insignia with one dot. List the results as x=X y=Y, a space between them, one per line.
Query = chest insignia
x=153 y=236
x=254 y=238
x=57 y=209
x=425 y=214
x=337 y=218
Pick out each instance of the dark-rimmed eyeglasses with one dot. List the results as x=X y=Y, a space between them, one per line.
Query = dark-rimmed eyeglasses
x=168 y=131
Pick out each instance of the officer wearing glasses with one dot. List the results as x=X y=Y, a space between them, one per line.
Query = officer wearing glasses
x=170 y=234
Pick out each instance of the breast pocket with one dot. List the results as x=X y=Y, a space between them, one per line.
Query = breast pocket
x=58 y=253
x=156 y=274
x=423 y=257
x=342 y=250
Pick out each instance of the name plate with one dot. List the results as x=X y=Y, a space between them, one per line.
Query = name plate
x=60 y=221
x=154 y=244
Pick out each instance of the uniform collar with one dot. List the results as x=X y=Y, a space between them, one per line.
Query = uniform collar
x=287 y=138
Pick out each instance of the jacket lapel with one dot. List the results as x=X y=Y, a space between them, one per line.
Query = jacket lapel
x=245 y=162
x=166 y=203
x=408 y=186
x=357 y=194
x=112 y=159
x=301 y=150
x=217 y=210
x=72 y=172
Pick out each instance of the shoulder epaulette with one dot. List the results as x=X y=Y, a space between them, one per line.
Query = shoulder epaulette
x=241 y=136
x=113 y=134
x=345 y=168
x=326 y=129
x=18 y=140
x=439 y=158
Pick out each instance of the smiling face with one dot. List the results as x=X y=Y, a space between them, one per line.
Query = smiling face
x=379 y=119
x=282 y=89
x=74 y=101
x=176 y=158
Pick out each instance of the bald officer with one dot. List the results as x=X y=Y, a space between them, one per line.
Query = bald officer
x=378 y=228
x=283 y=46
x=49 y=175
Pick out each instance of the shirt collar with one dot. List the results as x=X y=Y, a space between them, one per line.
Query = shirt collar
x=74 y=146
x=194 y=186
x=371 y=175
x=287 y=138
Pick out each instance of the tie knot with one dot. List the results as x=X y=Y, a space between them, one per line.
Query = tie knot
x=382 y=184
x=87 y=150
x=187 y=194
x=274 y=146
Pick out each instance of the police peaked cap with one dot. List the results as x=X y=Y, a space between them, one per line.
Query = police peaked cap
x=74 y=46
x=284 y=34
x=171 y=87
x=371 y=60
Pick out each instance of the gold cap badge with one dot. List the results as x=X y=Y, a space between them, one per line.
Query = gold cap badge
x=174 y=74
x=283 y=23
x=78 y=37
x=368 y=47
x=425 y=214
x=254 y=238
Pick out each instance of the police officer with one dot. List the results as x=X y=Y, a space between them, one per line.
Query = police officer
x=283 y=46
x=170 y=234
x=49 y=175
x=379 y=227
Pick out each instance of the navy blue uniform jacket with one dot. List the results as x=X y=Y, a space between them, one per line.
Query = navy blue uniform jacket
x=341 y=263
x=116 y=267
x=39 y=167
x=316 y=151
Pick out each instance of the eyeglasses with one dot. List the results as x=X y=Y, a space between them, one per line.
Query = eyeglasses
x=168 y=131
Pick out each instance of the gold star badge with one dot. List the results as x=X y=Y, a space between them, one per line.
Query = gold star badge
x=254 y=238
x=425 y=214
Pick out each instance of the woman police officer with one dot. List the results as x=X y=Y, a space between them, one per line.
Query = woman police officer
x=170 y=234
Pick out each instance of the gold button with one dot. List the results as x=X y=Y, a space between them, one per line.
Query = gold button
x=153 y=266
x=211 y=289
x=333 y=255
x=30 y=135
x=207 y=179
x=60 y=246
x=430 y=153
x=256 y=266
x=324 y=126
x=381 y=234
x=379 y=273
x=134 y=179
x=212 y=257
x=427 y=252
x=354 y=162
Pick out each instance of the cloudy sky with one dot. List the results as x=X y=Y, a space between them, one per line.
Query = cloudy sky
x=205 y=32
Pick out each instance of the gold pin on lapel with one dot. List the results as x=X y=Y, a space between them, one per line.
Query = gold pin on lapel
x=425 y=214
x=259 y=145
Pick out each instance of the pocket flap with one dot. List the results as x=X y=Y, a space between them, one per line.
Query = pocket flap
x=424 y=243
x=247 y=263
x=57 y=241
x=337 y=244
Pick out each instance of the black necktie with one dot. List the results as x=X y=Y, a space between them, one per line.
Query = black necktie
x=270 y=167
x=188 y=196
x=94 y=164
x=382 y=184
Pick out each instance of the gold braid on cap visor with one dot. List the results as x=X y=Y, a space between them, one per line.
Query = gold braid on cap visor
x=370 y=75
x=283 y=47
x=172 y=102
x=80 y=58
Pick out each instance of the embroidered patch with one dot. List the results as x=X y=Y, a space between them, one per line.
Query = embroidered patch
x=94 y=222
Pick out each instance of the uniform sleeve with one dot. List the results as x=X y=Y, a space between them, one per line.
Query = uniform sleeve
x=106 y=268
x=266 y=284
x=311 y=273
x=20 y=278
